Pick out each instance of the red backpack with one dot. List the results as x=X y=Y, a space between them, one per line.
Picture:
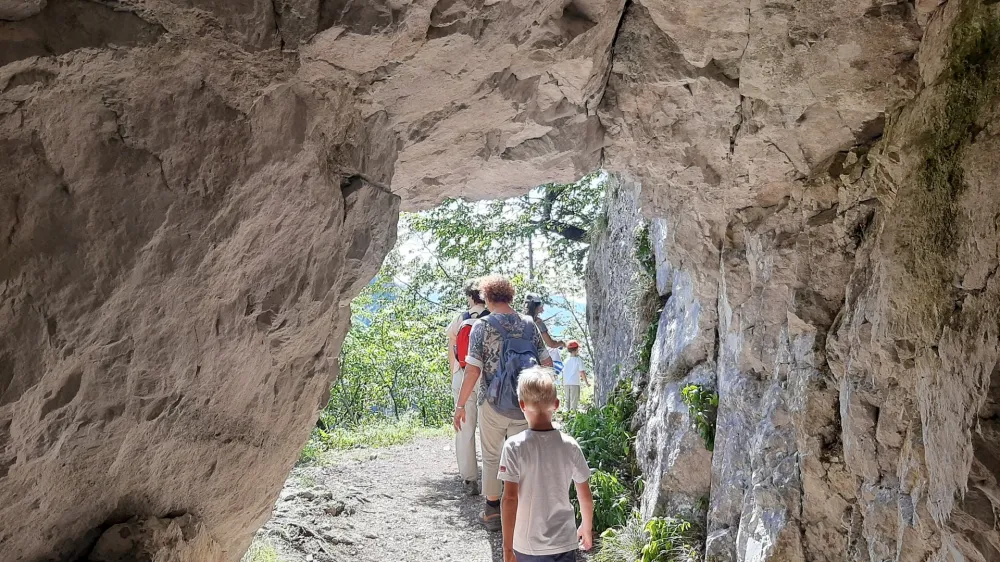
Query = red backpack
x=462 y=340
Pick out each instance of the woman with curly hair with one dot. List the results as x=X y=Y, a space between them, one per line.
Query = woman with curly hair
x=483 y=364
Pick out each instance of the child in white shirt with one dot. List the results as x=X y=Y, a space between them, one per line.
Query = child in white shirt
x=539 y=523
x=571 y=373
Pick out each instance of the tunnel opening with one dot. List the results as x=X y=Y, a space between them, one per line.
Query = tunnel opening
x=382 y=448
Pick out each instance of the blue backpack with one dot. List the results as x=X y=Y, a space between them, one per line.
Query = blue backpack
x=516 y=355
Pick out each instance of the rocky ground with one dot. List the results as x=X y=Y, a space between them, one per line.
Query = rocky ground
x=400 y=503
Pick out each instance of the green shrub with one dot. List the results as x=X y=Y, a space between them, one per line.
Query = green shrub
x=394 y=361
x=311 y=451
x=644 y=252
x=623 y=544
x=605 y=434
x=612 y=501
x=703 y=405
x=660 y=539
x=648 y=341
x=669 y=541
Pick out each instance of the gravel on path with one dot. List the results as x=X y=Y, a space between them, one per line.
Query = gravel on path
x=403 y=503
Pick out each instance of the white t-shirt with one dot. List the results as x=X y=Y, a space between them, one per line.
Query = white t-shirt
x=543 y=464
x=554 y=354
x=571 y=371
x=557 y=365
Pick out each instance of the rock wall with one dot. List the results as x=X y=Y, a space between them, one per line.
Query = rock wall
x=821 y=180
x=176 y=270
x=617 y=315
x=192 y=191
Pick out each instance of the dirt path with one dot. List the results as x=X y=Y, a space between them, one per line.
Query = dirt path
x=399 y=504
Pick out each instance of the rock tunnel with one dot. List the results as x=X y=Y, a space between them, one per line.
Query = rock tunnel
x=192 y=192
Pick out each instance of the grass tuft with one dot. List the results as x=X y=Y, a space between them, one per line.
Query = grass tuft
x=659 y=539
x=261 y=551
x=371 y=436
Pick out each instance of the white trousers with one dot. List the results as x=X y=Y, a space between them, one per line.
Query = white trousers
x=465 y=440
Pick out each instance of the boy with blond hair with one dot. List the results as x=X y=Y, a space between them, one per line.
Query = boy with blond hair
x=537 y=466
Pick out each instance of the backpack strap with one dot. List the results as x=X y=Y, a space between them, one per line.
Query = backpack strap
x=495 y=322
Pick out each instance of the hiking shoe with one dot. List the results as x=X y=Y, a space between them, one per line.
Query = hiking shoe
x=471 y=487
x=490 y=518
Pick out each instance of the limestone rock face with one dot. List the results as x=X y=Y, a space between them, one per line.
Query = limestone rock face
x=615 y=293
x=176 y=266
x=13 y=10
x=176 y=539
x=191 y=192
x=820 y=178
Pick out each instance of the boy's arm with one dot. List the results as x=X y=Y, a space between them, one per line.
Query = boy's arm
x=584 y=375
x=586 y=531
x=508 y=511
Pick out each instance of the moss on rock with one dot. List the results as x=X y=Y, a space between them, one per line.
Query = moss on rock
x=971 y=82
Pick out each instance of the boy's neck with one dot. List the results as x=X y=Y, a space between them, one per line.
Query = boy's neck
x=541 y=425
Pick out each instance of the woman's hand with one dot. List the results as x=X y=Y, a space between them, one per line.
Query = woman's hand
x=459 y=418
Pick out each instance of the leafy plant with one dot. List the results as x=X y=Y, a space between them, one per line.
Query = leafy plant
x=660 y=539
x=669 y=541
x=703 y=405
x=606 y=437
x=648 y=341
x=311 y=451
x=394 y=361
x=612 y=501
x=605 y=434
x=380 y=434
x=644 y=252
x=623 y=544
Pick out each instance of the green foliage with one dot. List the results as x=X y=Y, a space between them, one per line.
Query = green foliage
x=660 y=539
x=623 y=544
x=261 y=551
x=379 y=434
x=669 y=541
x=646 y=346
x=703 y=405
x=648 y=303
x=644 y=252
x=600 y=226
x=931 y=230
x=613 y=501
x=395 y=376
x=312 y=450
x=972 y=82
x=561 y=214
x=605 y=434
x=394 y=361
